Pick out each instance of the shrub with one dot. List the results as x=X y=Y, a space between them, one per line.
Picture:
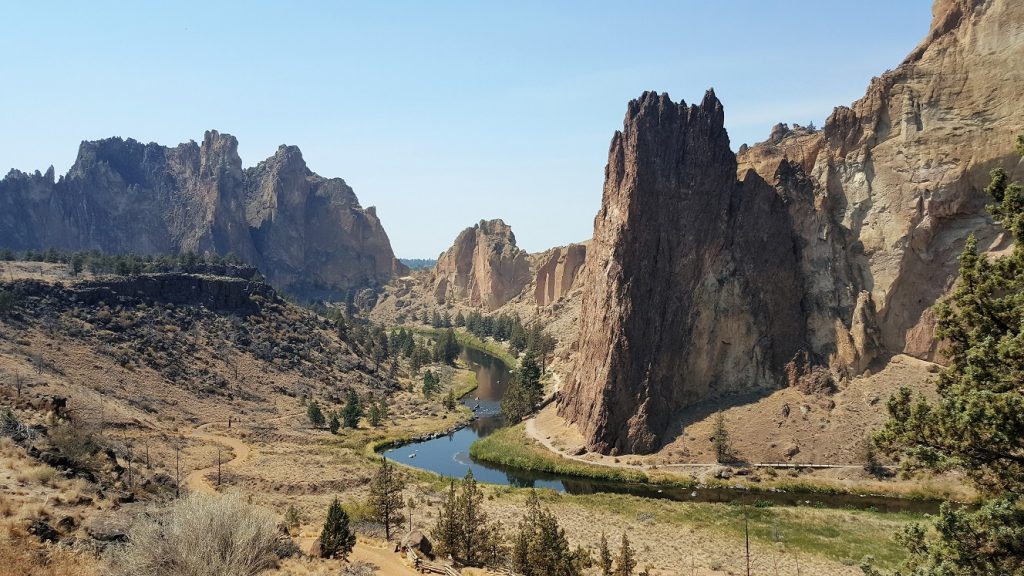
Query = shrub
x=201 y=535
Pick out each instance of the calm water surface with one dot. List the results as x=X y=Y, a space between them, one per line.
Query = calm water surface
x=449 y=456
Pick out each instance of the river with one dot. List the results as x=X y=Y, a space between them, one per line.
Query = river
x=449 y=456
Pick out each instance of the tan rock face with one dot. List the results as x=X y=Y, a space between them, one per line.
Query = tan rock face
x=483 y=268
x=691 y=284
x=892 y=186
x=876 y=207
x=308 y=234
x=556 y=272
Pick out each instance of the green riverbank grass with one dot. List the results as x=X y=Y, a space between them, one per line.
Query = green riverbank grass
x=511 y=447
x=846 y=536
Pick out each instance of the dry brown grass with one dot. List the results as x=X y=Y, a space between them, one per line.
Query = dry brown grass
x=201 y=535
x=22 y=555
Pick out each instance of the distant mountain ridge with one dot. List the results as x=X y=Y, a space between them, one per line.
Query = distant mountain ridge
x=308 y=234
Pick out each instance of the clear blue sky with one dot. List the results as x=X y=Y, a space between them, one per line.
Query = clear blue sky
x=439 y=113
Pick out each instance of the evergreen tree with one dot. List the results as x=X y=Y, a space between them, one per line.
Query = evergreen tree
x=540 y=547
x=720 y=440
x=373 y=415
x=447 y=532
x=976 y=425
x=430 y=383
x=446 y=347
x=336 y=540
x=353 y=410
x=473 y=520
x=605 y=556
x=449 y=402
x=626 y=562
x=460 y=320
x=315 y=415
x=334 y=424
x=525 y=390
x=386 y=496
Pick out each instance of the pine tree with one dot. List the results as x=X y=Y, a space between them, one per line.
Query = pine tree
x=315 y=415
x=605 y=557
x=447 y=532
x=386 y=496
x=473 y=520
x=353 y=410
x=626 y=562
x=720 y=439
x=449 y=400
x=460 y=320
x=374 y=414
x=336 y=540
x=334 y=423
x=976 y=425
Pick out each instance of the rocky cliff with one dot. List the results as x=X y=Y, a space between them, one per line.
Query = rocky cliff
x=886 y=193
x=691 y=287
x=826 y=257
x=483 y=268
x=556 y=271
x=307 y=233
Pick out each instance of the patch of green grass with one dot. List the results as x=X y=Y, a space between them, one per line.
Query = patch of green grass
x=464 y=383
x=840 y=535
x=511 y=447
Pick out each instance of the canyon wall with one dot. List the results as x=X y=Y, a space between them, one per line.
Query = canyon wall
x=308 y=234
x=812 y=252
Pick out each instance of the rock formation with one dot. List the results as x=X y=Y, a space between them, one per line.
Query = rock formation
x=483 y=268
x=556 y=272
x=307 y=234
x=830 y=253
x=886 y=193
x=692 y=286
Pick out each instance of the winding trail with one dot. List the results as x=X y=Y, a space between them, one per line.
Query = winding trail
x=196 y=481
x=365 y=550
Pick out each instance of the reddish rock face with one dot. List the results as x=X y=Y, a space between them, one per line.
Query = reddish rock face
x=483 y=268
x=556 y=272
x=308 y=234
x=691 y=285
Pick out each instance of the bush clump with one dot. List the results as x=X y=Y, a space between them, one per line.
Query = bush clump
x=201 y=535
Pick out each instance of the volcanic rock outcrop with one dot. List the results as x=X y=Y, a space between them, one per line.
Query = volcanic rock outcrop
x=308 y=234
x=696 y=286
x=556 y=272
x=483 y=268
x=692 y=286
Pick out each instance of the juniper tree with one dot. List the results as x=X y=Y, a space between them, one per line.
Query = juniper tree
x=353 y=410
x=976 y=426
x=626 y=561
x=315 y=415
x=386 y=496
x=448 y=528
x=720 y=439
x=605 y=556
x=473 y=520
x=336 y=539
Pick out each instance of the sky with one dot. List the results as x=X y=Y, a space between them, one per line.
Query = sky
x=438 y=113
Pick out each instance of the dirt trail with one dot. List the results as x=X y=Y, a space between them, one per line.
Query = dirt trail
x=196 y=481
x=380 y=554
